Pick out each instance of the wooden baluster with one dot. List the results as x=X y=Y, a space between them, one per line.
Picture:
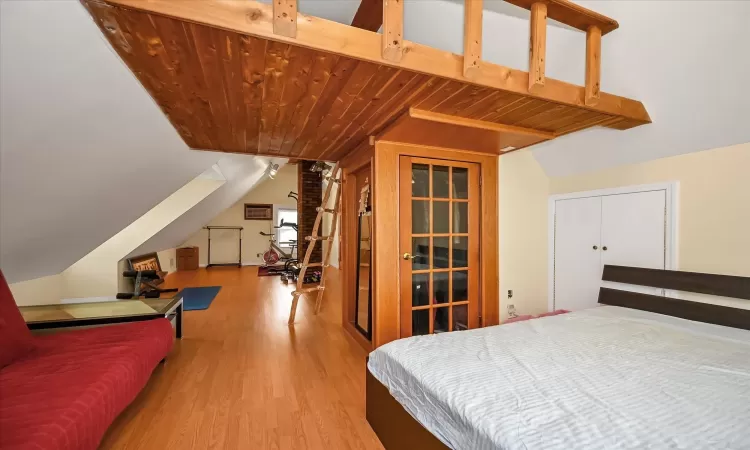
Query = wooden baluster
x=393 y=29
x=593 y=65
x=472 y=37
x=285 y=17
x=537 y=46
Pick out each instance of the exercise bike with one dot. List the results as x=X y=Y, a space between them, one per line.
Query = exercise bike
x=274 y=254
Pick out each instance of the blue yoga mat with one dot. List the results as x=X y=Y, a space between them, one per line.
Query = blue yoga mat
x=198 y=297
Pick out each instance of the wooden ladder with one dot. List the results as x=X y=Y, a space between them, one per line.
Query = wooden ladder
x=315 y=238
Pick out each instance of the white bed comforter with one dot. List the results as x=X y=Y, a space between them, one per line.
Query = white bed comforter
x=604 y=378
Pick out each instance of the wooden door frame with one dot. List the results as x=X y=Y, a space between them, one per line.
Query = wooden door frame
x=672 y=189
x=348 y=245
x=386 y=247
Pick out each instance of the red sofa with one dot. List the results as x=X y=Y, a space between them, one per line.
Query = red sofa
x=63 y=390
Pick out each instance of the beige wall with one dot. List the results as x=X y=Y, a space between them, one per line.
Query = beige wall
x=713 y=210
x=713 y=203
x=224 y=242
x=39 y=291
x=524 y=189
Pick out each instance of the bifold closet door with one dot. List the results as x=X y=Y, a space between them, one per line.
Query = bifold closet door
x=577 y=256
x=633 y=229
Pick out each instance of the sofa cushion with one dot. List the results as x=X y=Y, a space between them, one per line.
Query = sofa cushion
x=65 y=393
x=15 y=337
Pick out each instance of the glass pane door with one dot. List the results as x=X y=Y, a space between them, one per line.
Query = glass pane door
x=439 y=236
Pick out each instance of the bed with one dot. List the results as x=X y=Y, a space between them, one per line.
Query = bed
x=641 y=371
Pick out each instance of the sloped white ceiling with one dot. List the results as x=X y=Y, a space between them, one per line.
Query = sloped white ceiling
x=242 y=173
x=84 y=151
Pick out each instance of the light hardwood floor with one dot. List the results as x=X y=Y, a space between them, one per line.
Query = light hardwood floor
x=242 y=379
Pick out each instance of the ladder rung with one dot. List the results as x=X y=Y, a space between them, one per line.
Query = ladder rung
x=330 y=178
x=317 y=238
x=318 y=265
x=328 y=210
x=308 y=290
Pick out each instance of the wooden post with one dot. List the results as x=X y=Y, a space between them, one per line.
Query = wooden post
x=537 y=46
x=285 y=18
x=472 y=37
x=593 y=65
x=393 y=29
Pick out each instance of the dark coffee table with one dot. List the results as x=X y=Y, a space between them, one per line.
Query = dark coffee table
x=41 y=317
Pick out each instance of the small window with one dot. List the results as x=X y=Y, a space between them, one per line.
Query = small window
x=286 y=234
x=256 y=211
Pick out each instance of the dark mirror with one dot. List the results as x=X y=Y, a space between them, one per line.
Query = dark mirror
x=363 y=308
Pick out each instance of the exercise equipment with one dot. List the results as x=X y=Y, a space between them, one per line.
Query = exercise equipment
x=239 y=235
x=145 y=285
x=275 y=254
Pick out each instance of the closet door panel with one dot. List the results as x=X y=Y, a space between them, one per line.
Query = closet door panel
x=633 y=229
x=577 y=261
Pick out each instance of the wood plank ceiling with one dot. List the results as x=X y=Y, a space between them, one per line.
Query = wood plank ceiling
x=231 y=92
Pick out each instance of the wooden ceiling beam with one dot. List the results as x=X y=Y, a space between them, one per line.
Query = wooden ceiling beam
x=569 y=13
x=472 y=37
x=256 y=19
x=369 y=15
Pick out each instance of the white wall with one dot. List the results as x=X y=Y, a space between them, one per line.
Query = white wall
x=96 y=274
x=84 y=150
x=224 y=243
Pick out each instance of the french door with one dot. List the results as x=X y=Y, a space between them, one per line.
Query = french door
x=439 y=238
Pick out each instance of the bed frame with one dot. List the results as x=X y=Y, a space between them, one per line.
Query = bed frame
x=398 y=430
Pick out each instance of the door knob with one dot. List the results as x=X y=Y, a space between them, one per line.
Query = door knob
x=596 y=247
x=408 y=256
x=604 y=248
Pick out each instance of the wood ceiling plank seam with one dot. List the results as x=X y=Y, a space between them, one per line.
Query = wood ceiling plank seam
x=509 y=109
x=202 y=42
x=386 y=115
x=253 y=79
x=339 y=77
x=460 y=91
x=481 y=105
x=592 y=122
x=149 y=49
x=300 y=68
x=389 y=94
x=336 y=120
x=364 y=103
x=532 y=110
x=468 y=97
x=323 y=66
x=503 y=106
x=228 y=48
x=277 y=60
x=552 y=123
x=503 y=98
x=382 y=77
x=187 y=69
x=546 y=114
x=445 y=91
x=580 y=115
x=423 y=91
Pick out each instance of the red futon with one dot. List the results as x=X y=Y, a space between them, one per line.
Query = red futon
x=62 y=391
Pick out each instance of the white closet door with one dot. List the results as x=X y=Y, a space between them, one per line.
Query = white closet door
x=633 y=229
x=577 y=262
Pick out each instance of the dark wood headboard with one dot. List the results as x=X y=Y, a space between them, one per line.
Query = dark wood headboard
x=700 y=283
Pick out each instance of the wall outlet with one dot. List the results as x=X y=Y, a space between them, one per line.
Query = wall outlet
x=512 y=311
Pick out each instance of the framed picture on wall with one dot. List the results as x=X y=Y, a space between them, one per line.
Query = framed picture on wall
x=258 y=211
x=149 y=261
